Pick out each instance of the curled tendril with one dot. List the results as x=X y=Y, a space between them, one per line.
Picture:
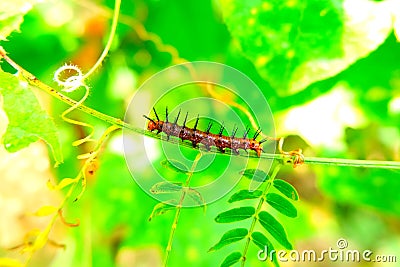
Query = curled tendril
x=62 y=218
x=294 y=157
x=71 y=83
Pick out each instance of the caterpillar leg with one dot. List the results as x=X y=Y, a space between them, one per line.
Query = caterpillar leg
x=222 y=150
x=194 y=144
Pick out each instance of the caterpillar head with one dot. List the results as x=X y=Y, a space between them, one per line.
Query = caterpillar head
x=153 y=125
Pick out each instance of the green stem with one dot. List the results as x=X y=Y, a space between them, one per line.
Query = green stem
x=179 y=208
x=258 y=209
x=32 y=80
x=109 y=41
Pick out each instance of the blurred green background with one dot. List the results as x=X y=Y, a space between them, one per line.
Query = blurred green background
x=329 y=69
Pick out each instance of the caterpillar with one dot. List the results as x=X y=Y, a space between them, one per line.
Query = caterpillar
x=195 y=136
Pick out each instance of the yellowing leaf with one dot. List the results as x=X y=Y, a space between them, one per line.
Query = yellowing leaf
x=46 y=211
x=40 y=240
x=63 y=183
x=7 y=262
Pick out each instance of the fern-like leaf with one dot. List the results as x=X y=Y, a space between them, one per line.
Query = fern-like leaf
x=236 y=214
x=281 y=204
x=287 y=189
x=230 y=237
x=231 y=259
x=261 y=241
x=245 y=194
x=255 y=175
x=275 y=228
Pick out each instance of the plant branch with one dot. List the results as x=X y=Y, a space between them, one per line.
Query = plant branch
x=32 y=80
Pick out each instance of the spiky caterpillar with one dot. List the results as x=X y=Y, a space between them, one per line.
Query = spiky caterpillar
x=195 y=136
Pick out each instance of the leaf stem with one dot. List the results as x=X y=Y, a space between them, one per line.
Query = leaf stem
x=258 y=209
x=179 y=208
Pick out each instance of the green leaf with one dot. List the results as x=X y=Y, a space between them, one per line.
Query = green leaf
x=374 y=188
x=28 y=122
x=274 y=228
x=165 y=188
x=245 y=194
x=230 y=237
x=11 y=15
x=236 y=214
x=264 y=244
x=294 y=45
x=10 y=24
x=255 y=174
x=162 y=208
x=231 y=259
x=174 y=165
x=196 y=197
x=287 y=189
x=281 y=204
